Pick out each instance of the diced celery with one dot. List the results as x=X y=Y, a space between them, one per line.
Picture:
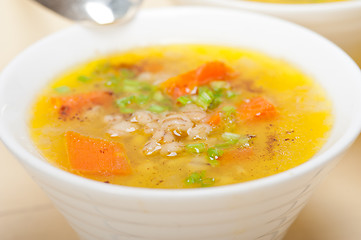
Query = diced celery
x=228 y=109
x=123 y=102
x=193 y=178
x=155 y=108
x=232 y=137
x=205 y=97
x=196 y=148
x=213 y=155
x=229 y=117
x=131 y=85
x=142 y=99
x=219 y=85
x=215 y=103
x=198 y=178
x=207 y=90
x=184 y=100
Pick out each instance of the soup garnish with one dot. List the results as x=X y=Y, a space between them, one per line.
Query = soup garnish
x=181 y=116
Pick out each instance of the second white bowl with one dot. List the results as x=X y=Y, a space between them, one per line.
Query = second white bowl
x=338 y=21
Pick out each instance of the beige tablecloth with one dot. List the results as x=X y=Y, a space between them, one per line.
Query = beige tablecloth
x=333 y=213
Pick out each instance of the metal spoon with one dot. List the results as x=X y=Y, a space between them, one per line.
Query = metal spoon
x=96 y=11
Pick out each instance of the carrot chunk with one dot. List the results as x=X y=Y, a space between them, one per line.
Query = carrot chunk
x=215 y=119
x=211 y=71
x=256 y=108
x=236 y=154
x=96 y=156
x=187 y=83
x=69 y=106
x=183 y=84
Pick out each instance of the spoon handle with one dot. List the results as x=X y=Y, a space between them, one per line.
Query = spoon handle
x=96 y=11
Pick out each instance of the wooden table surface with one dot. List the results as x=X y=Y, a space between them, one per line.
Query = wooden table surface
x=333 y=212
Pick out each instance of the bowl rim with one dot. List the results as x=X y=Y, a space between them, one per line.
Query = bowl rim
x=285 y=8
x=47 y=169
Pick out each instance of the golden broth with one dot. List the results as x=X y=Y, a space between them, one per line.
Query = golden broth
x=282 y=142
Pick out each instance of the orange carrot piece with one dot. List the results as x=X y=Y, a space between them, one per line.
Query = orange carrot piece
x=257 y=108
x=214 y=119
x=236 y=154
x=183 y=84
x=69 y=106
x=96 y=156
x=211 y=71
x=188 y=82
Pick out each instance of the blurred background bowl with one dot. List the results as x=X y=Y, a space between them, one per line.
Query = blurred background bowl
x=340 y=22
x=261 y=209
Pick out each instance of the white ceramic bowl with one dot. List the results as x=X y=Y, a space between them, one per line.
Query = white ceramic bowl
x=338 y=21
x=261 y=209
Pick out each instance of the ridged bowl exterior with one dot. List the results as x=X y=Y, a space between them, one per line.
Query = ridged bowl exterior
x=262 y=214
x=261 y=210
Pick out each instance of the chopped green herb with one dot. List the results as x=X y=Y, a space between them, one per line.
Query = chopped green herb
x=84 y=79
x=62 y=89
x=196 y=148
x=214 y=154
x=195 y=177
x=231 y=137
x=123 y=102
x=142 y=99
x=131 y=85
x=205 y=97
x=155 y=108
x=228 y=109
x=217 y=100
x=220 y=85
x=184 y=100
x=199 y=178
x=229 y=117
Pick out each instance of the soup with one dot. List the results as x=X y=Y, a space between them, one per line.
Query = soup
x=181 y=116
